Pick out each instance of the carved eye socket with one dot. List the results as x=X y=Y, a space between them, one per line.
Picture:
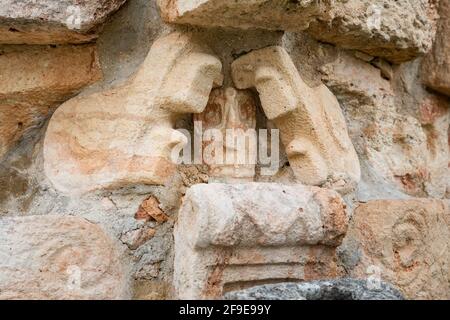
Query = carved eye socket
x=213 y=115
x=247 y=110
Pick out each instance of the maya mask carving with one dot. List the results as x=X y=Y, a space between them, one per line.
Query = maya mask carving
x=125 y=135
x=229 y=122
x=311 y=123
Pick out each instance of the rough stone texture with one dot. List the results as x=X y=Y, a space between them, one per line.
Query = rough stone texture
x=55 y=257
x=407 y=241
x=229 y=109
x=231 y=236
x=34 y=80
x=397 y=30
x=149 y=209
x=342 y=289
x=398 y=129
x=311 y=123
x=436 y=66
x=408 y=150
x=53 y=21
x=125 y=135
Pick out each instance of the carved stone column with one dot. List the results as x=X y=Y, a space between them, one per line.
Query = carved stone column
x=230 y=236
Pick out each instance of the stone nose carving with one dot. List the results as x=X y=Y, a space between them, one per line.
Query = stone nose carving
x=311 y=123
x=125 y=135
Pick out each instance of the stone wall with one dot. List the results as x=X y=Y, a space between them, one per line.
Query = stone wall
x=95 y=98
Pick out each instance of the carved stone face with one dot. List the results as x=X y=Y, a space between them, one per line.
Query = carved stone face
x=229 y=112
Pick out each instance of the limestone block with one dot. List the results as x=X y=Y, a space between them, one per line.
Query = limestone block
x=436 y=65
x=58 y=258
x=312 y=126
x=245 y=14
x=404 y=242
x=34 y=80
x=53 y=21
x=398 y=30
x=232 y=236
x=125 y=135
x=229 y=115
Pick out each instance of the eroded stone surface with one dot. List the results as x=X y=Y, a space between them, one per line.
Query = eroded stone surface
x=125 y=135
x=53 y=21
x=398 y=128
x=55 y=257
x=404 y=242
x=231 y=236
x=34 y=80
x=229 y=115
x=436 y=66
x=312 y=126
x=397 y=30
x=341 y=289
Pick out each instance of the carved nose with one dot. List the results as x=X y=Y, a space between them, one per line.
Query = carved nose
x=296 y=148
x=177 y=138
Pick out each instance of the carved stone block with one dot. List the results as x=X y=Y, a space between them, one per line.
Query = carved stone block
x=230 y=114
x=53 y=21
x=59 y=257
x=311 y=123
x=232 y=236
x=404 y=242
x=125 y=135
x=398 y=30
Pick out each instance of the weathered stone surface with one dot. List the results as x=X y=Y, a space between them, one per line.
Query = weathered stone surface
x=125 y=135
x=231 y=236
x=53 y=21
x=436 y=66
x=405 y=242
x=273 y=15
x=55 y=257
x=341 y=289
x=399 y=129
x=311 y=123
x=34 y=80
x=397 y=30
x=229 y=115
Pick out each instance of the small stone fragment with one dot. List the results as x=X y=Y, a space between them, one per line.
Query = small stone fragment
x=149 y=209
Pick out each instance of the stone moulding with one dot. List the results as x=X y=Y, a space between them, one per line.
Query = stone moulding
x=311 y=123
x=125 y=135
x=230 y=236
